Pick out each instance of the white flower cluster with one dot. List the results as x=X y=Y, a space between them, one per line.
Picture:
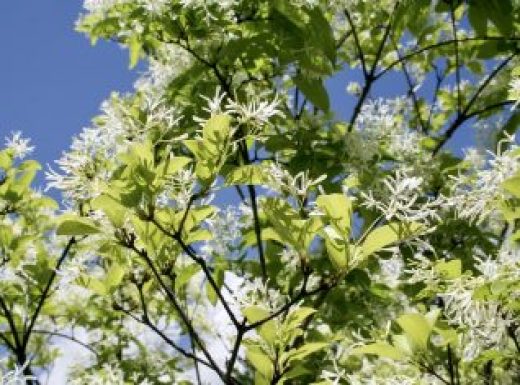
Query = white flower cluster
x=298 y=185
x=391 y=269
x=107 y=375
x=226 y=228
x=255 y=113
x=514 y=87
x=93 y=154
x=152 y=6
x=256 y=292
x=19 y=145
x=15 y=376
x=402 y=197
x=473 y=192
x=487 y=325
x=380 y=127
x=169 y=62
x=178 y=190
x=100 y=5
x=378 y=372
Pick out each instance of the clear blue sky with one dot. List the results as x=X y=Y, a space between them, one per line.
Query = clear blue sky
x=52 y=80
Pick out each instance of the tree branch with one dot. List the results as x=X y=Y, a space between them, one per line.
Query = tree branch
x=45 y=293
x=465 y=115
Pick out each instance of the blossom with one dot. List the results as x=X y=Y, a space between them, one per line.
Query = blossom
x=255 y=111
x=514 y=91
x=226 y=228
x=401 y=197
x=380 y=130
x=392 y=268
x=15 y=376
x=298 y=185
x=20 y=146
x=256 y=292
x=354 y=88
x=474 y=190
x=100 y=5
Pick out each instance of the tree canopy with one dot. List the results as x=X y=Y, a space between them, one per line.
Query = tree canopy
x=224 y=224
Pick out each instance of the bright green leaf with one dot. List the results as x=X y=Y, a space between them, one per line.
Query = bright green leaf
x=73 y=225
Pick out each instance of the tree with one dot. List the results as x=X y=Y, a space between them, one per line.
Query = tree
x=223 y=224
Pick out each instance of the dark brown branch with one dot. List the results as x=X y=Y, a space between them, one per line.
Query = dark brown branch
x=188 y=250
x=442 y=44
x=258 y=231
x=432 y=371
x=234 y=352
x=411 y=90
x=370 y=77
x=451 y=368
x=45 y=293
x=10 y=321
x=303 y=293
x=176 y=305
x=465 y=115
x=357 y=43
x=68 y=337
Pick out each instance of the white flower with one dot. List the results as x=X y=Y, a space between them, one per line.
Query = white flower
x=401 y=197
x=380 y=130
x=19 y=145
x=474 y=191
x=100 y=5
x=486 y=321
x=354 y=88
x=391 y=269
x=15 y=376
x=298 y=185
x=155 y=6
x=226 y=229
x=514 y=91
x=107 y=375
x=256 y=292
x=256 y=111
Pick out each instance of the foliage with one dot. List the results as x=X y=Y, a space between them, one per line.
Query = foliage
x=224 y=223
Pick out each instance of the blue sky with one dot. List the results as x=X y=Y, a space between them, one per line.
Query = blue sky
x=52 y=80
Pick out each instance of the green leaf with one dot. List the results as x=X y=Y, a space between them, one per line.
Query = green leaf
x=174 y=164
x=115 y=212
x=74 y=225
x=449 y=336
x=114 y=275
x=135 y=47
x=338 y=208
x=449 y=269
x=6 y=159
x=321 y=33
x=297 y=316
x=251 y=174
x=512 y=185
x=186 y=273
x=255 y=313
x=478 y=18
x=417 y=329
x=260 y=361
x=268 y=330
x=314 y=90
x=216 y=131
x=500 y=12
x=304 y=351
x=389 y=234
x=338 y=252
x=381 y=349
